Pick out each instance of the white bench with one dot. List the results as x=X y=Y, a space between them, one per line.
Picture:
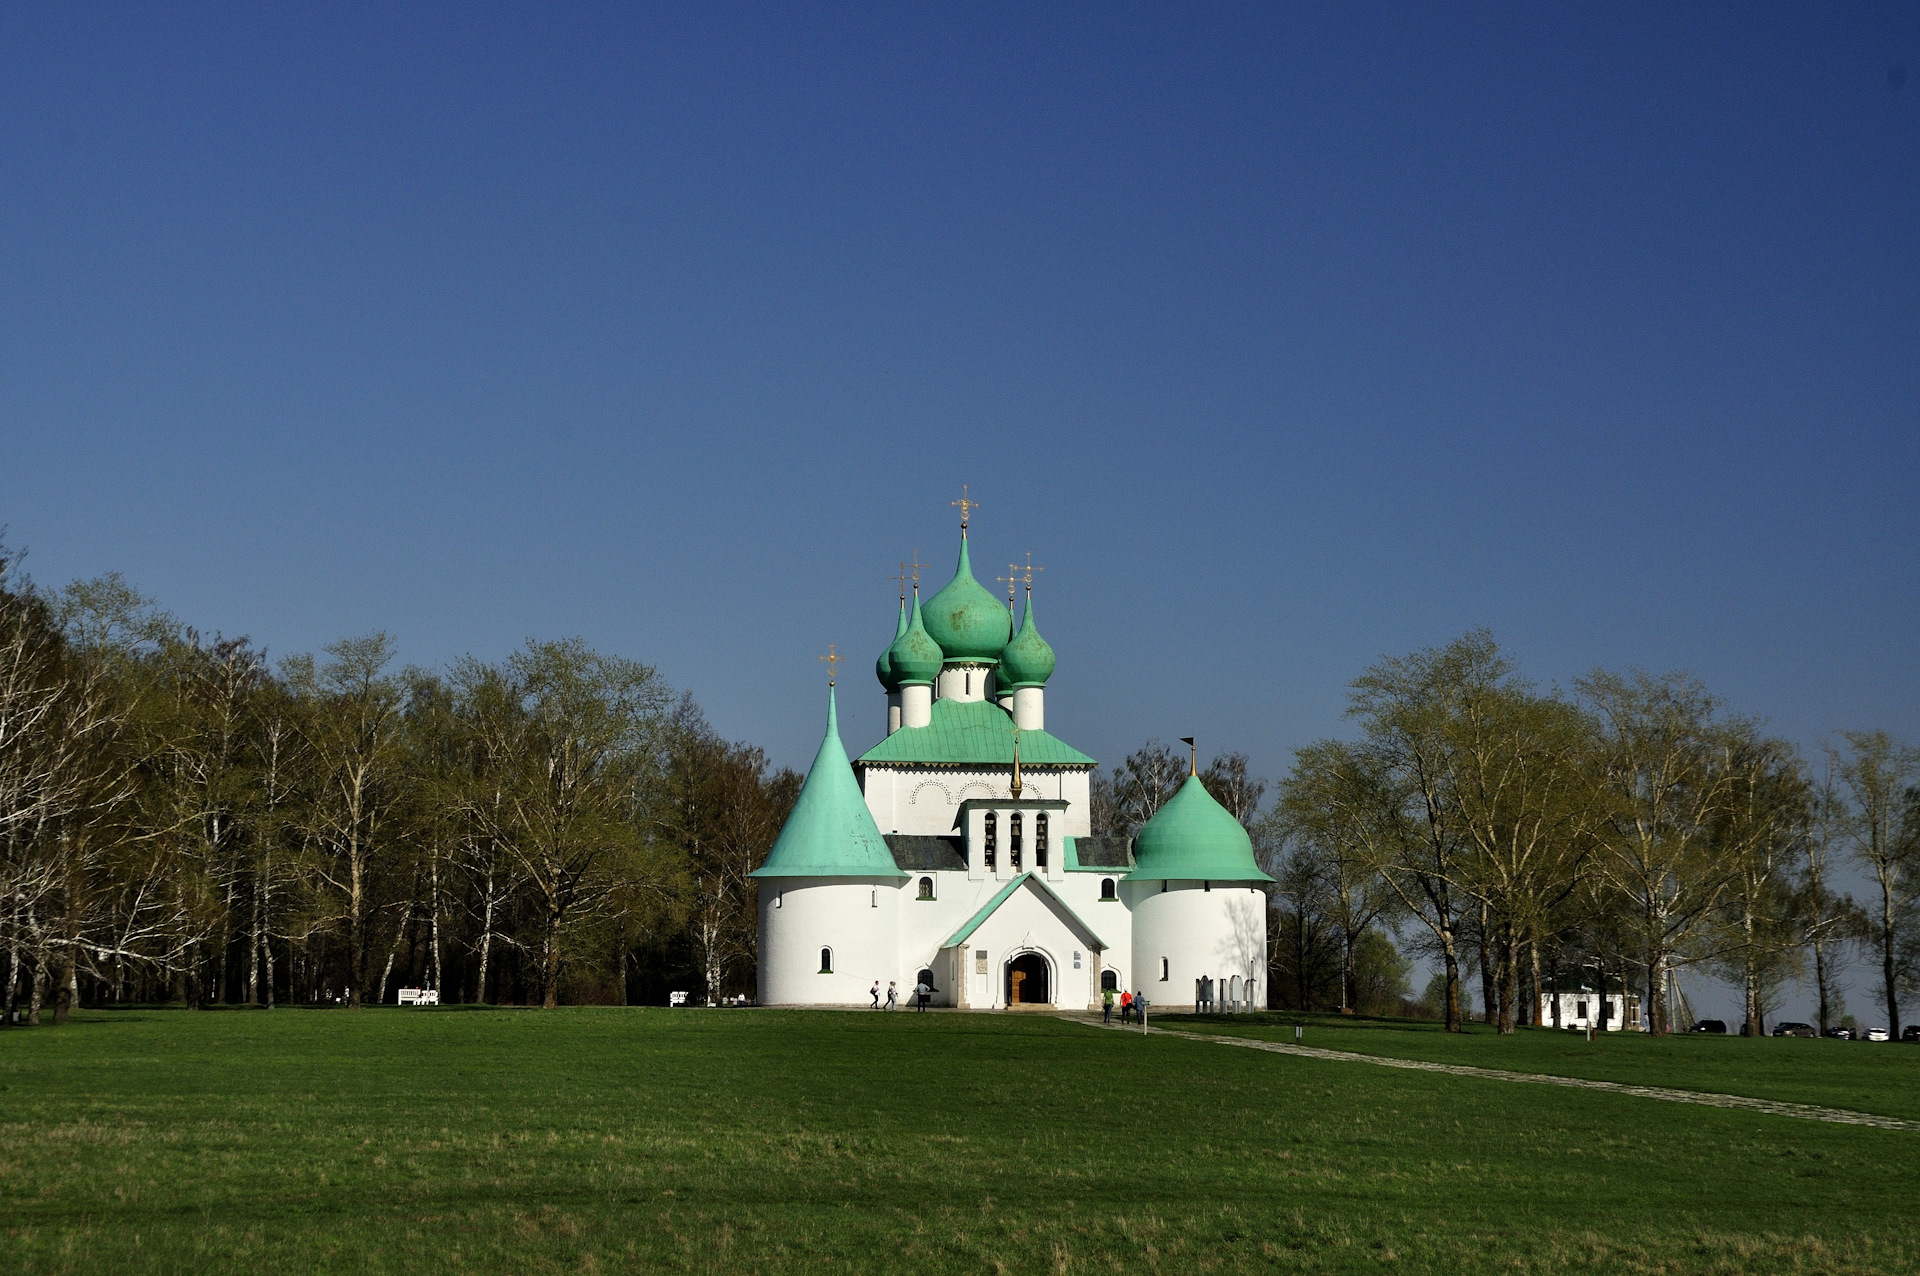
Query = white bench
x=419 y=996
x=676 y=999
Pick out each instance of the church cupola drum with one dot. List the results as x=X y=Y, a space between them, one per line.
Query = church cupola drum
x=958 y=853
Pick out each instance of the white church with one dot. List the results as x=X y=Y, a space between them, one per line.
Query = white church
x=959 y=851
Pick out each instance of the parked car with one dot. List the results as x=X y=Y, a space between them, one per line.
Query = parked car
x=1876 y=1034
x=1710 y=1025
x=1840 y=1034
x=1797 y=1030
x=1911 y=1032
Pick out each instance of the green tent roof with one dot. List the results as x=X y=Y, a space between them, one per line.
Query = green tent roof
x=973 y=731
x=1194 y=838
x=830 y=832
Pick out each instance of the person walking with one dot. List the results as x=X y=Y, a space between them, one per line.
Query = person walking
x=920 y=995
x=1126 y=1007
x=893 y=996
x=875 y=994
x=1140 y=1007
x=1106 y=1005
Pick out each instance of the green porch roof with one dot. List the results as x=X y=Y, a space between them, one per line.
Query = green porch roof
x=973 y=923
x=973 y=731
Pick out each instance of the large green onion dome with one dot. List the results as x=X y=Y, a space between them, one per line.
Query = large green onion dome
x=883 y=667
x=914 y=659
x=971 y=625
x=1194 y=838
x=1027 y=661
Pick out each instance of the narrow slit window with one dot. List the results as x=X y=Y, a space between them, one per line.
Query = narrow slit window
x=1163 y=968
x=826 y=961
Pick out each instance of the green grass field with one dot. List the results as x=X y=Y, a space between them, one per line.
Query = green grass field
x=1878 y=1077
x=629 y=1140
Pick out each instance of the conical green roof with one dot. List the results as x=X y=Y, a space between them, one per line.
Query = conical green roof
x=1194 y=838
x=883 y=667
x=969 y=623
x=1027 y=660
x=830 y=832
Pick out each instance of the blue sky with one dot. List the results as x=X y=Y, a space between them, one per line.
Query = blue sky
x=1284 y=338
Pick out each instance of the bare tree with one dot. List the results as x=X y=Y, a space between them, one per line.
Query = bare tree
x=1879 y=777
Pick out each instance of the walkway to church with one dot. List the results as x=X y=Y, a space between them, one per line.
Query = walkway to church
x=1773 y=1107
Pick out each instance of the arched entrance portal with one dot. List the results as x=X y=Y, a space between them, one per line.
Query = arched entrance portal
x=1027 y=981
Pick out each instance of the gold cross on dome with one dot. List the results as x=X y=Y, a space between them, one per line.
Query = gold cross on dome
x=1011 y=579
x=966 y=507
x=1031 y=569
x=832 y=660
x=915 y=567
x=902 y=578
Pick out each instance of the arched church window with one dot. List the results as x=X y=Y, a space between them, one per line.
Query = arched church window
x=1109 y=981
x=1013 y=839
x=1106 y=888
x=926 y=888
x=1163 y=968
x=993 y=839
x=1040 y=840
x=925 y=977
x=826 y=961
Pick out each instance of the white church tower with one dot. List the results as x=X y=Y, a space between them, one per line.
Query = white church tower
x=958 y=851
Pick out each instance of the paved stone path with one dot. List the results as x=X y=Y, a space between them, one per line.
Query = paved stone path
x=1773 y=1107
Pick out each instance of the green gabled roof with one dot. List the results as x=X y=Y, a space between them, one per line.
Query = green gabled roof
x=973 y=731
x=830 y=832
x=973 y=923
x=1194 y=838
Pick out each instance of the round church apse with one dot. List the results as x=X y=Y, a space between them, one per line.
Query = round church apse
x=1027 y=981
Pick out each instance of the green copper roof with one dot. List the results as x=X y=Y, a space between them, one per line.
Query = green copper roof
x=914 y=657
x=973 y=731
x=830 y=832
x=960 y=936
x=1194 y=838
x=883 y=667
x=969 y=623
x=1027 y=660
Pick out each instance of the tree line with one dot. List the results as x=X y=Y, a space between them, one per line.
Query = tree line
x=1608 y=838
x=182 y=821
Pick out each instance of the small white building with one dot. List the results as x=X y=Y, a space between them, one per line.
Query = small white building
x=1617 y=1012
x=962 y=855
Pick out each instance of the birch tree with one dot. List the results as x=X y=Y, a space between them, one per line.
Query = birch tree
x=1880 y=782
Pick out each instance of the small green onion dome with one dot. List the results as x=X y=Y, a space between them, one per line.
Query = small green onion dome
x=914 y=658
x=883 y=667
x=1194 y=838
x=971 y=625
x=1027 y=661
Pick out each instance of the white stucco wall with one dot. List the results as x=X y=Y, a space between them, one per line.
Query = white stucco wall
x=857 y=918
x=1221 y=933
x=1030 y=709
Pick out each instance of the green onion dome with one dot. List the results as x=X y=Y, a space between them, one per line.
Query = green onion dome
x=971 y=625
x=914 y=659
x=883 y=667
x=1194 y=838
x=1027 y=660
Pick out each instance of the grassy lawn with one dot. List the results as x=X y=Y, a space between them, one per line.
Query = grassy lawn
x=1867 y=1076
x=626 y=1140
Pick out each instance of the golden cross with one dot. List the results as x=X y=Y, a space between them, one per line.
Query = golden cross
x=1031 y=569
x=832 y=661
x=915 y=567
x=1011 y=579
x=902 y=578
x=965 y=507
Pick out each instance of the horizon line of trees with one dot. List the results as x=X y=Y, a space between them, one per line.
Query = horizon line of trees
x=179 y=821
x=1607 y=838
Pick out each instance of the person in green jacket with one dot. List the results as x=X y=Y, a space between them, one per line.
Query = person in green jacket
x=1106 y=1004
